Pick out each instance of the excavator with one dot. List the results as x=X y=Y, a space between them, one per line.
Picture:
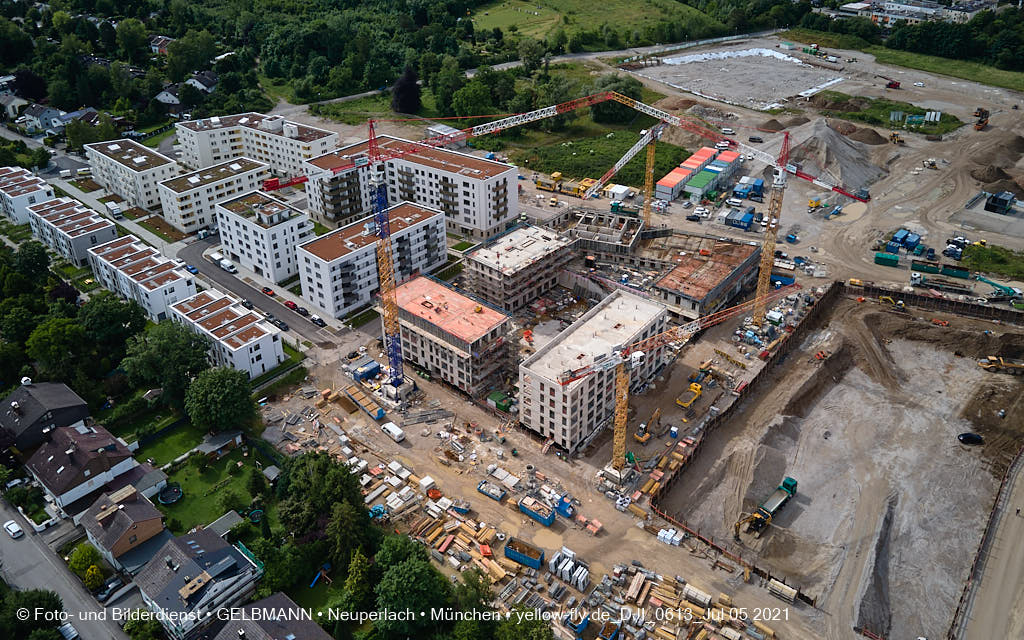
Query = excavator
x=760 y=518
x=897 y=305
x=896 y=138
x=930 y=163
x=643 y=432
x=890 y=83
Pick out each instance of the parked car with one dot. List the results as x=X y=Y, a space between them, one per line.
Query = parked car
x=13 y=529
x=756 y=139
x=247 y=303
x=687 y=204
x=191 y=269
x=291 y=305
x=318 y=321
x=965 y=438
x=109 y=588
x=700 y=210
x=270 y=317
x=281 y=324
x=302 y=311
x=268 y=291
x=693 y=218
x=68 y=631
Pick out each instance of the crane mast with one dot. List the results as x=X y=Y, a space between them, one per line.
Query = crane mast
x=771 y=232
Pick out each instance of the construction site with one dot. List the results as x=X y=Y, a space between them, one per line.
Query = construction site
x=714 y=363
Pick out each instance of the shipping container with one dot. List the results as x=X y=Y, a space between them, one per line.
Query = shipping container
x=900 y=236
x=524 y=553
x=782 y=280
x=887 y=259
x=367 y=371
x=537 y=510
x=757 y=187
x=911 y=241
x=892 y=247
x=492 y=491
x=955 y=271
x=925 y=266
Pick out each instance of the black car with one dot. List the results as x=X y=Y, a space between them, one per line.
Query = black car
x=281 y=324
x=109 y=588
x=756 y=139
x=302 y=311
x=693 y=218
x=970 y=438
x=247 y=304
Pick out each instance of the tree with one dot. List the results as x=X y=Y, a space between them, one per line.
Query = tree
x=58 y=344
x=40 y=158
x=84 y=556
x=64 y=292
x=30 y=600
x=358 y=592
x=220 y=399
x=610 y=111
x=524 y=624
x=168 y=356
x=32 y=261
x=531 y=52
x=93 y=578
x=310 y=481
x=29 y=85
x=257 y=483
x=473 y=592
x=110 y=321
x=412 y=585
x=405 y=93
x=397 y=549
x=17 y=325
x=474 y=99
x=345 y=533
x=15 y=44
x=448 y=80
x=144 y=628
x=190 y=96
x=131 y=37
x=230 y=501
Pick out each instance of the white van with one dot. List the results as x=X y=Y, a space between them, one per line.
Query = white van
x=216 y=256
x=727 y=131
x=722 y=146
x=393 y=431
x=65 y=173
x=228 y=266
x=734 y=202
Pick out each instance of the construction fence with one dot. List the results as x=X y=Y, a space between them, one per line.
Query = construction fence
x=969 y=309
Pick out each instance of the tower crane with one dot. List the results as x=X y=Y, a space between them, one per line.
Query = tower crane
x=771 y=232
x=633 y=355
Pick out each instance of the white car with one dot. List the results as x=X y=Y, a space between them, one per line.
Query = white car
x=918 y=84
x=700 y=211
x=13 y=530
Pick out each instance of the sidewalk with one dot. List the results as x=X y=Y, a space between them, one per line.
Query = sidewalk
x=169 y=249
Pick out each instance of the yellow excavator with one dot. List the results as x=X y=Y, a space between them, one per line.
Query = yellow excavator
x=897 y=305
x=930 y=163
x=643 y=432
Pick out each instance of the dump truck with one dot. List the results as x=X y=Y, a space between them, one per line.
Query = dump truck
x=759 y=520
x=996 y=364
x=537 y=510
x=932 y=282
x=524 y=553
x=690 y=396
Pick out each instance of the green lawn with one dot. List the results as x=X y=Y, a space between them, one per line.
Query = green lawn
x=317 y=597
x=320 y=229
x=995 y=259
x=18 y=233
x=364 y=317
x=146 y=224
x=878 y=110
x=86 y=185
x=296 y=289
x=462 y=246
x=201 y=489
x=974 y=71
x=357 y=111
x=155 y=141
x=85 y=284
x=293 y=356
x=172 y=444
x=70 y=271
x=113 y=197
x=573 y=15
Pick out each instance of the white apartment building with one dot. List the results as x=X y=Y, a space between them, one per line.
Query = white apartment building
x=130 y=170
x=70 y=228
x=459 y=339
x=19 y=190
x=478 y=197
x=136 y=271
x=282 y=144
x=261 y=233
x=518 y=266
x=188 y=200
x=338 y=270
x=569 y=415
x=239 y=338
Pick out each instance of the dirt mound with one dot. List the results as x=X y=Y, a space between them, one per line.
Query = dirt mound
x=826 y=152
x=772 y=125
x=1004 y=153
x=988 y=174
x=843 y=127
x=1006 y=185
x=853 y=104
x=933 y=137
x=873 y=607
x=867 y=136
x=1016 y=143
x=832 y=370
x=677 y=104
x=797 y=121
x=710 y=113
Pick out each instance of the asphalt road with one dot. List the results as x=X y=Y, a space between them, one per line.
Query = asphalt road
x=193 y=254
x=29 y=564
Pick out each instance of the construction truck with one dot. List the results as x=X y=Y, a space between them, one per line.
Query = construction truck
x=890 y=83
x=1012 y=293
x=996 y=364
x=896 y=138
x=759 y=520
x=930 y=163
x=982 y=119
x=549 y=183
x=690 y=396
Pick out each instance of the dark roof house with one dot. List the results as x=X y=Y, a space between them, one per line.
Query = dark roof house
x=205 y=81
x=76 y=461
x=33 y=407
x=193 y=575
x=120 y=522
x=288 y=621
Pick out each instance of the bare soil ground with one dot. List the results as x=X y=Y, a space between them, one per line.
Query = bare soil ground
x=890 y=506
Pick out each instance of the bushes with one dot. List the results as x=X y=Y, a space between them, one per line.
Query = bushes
x=84 y=557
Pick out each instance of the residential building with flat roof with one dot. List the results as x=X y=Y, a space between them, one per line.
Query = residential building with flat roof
x=262 y=234
x=188 y=200
x=19 y=190
x=518 y=266
x=239 y=338
x=136 y=271
x=130 y=170
x=478 y=197
x=282 y=144
x=462 y=340
x=569 y=415
x=70 y=228
x=338 y=270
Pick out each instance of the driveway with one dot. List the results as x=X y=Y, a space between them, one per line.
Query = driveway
x=29 y=564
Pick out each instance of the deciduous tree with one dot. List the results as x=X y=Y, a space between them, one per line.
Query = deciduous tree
x=168 y=356
x=220 y=399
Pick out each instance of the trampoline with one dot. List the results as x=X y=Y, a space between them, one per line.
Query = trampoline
x=255 y=516
x=170 y=494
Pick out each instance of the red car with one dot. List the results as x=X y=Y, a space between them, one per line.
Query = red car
x=268 y=291
x=291 y=305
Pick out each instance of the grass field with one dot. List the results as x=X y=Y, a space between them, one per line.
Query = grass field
x=172 y=445
x=155 y=141
x=462 y=246
x=877 y=113
x=359 y=319
x=320 y=229
x=378 y=105
x=974 y=71
x=995 y=259
x=201 y=489
x=540 y=17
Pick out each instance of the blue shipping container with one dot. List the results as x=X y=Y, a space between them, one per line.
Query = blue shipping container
x=900 y=236
x=912 y=240
x=367 y=371
x=892 y=247
x=758 y=186
x=781 y=280
x=524 y=553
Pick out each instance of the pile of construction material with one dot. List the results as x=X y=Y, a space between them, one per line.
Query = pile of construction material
x=459 y=541
x=570 y=569
x=671 y=536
